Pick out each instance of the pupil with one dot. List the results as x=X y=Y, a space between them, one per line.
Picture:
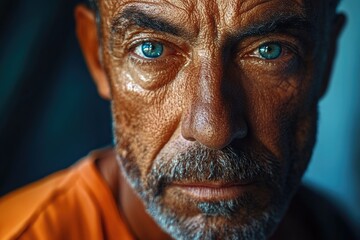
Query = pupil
x=152 y=50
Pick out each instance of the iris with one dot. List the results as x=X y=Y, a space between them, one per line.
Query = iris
x=152 y=50
x=270 y=51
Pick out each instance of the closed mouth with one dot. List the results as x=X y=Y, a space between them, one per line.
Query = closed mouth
x=213 y=191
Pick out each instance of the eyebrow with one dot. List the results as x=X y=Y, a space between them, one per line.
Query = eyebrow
x=278 y=24
x=134 y=16
x=281 y=22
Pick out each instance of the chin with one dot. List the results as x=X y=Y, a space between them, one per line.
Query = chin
x=215 y=221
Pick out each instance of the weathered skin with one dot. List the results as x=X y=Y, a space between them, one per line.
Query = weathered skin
x=210 y=90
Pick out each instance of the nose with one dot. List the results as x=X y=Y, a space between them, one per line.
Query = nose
x=212 y=118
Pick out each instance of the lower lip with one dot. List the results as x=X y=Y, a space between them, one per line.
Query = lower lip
x=207 y=193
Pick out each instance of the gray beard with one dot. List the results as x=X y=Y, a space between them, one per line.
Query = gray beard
x=220 y=219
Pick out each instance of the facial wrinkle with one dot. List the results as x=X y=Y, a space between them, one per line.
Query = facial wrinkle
x=249 y=6
x=175 y=129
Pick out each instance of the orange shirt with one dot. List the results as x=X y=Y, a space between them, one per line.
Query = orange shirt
x=72 y=204
x=77 y=204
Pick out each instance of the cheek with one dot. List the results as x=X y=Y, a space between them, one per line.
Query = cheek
x=144 y=119
x=273 y=105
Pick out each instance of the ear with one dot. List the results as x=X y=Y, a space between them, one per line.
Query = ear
x=338 y=25
x=86 y=31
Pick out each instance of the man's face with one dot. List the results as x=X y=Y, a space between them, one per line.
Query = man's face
x=215 y=108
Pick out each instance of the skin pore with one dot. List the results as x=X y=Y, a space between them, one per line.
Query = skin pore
x=214 y=106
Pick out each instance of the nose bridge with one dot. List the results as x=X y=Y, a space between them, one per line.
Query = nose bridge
x=208 y=109
x=210 y=74
x=210 y=117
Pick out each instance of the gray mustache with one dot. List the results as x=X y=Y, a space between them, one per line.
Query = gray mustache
x=200 y=164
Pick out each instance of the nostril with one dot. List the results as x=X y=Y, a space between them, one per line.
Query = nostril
x=186 y=129
x=241 y=132
x=189 y=138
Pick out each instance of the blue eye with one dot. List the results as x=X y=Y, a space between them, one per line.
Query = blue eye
x=151 y=49
x=270 y=51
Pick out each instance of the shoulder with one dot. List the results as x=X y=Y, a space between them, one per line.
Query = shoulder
x=25 y=208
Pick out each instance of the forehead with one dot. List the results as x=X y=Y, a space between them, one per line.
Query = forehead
x=204 y=18
x=225 y=11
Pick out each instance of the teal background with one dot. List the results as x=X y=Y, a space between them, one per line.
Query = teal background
x=50 y=114
x=335 y=165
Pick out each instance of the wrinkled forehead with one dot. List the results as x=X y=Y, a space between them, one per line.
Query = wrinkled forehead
x=201 y=9
x=206 y=17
